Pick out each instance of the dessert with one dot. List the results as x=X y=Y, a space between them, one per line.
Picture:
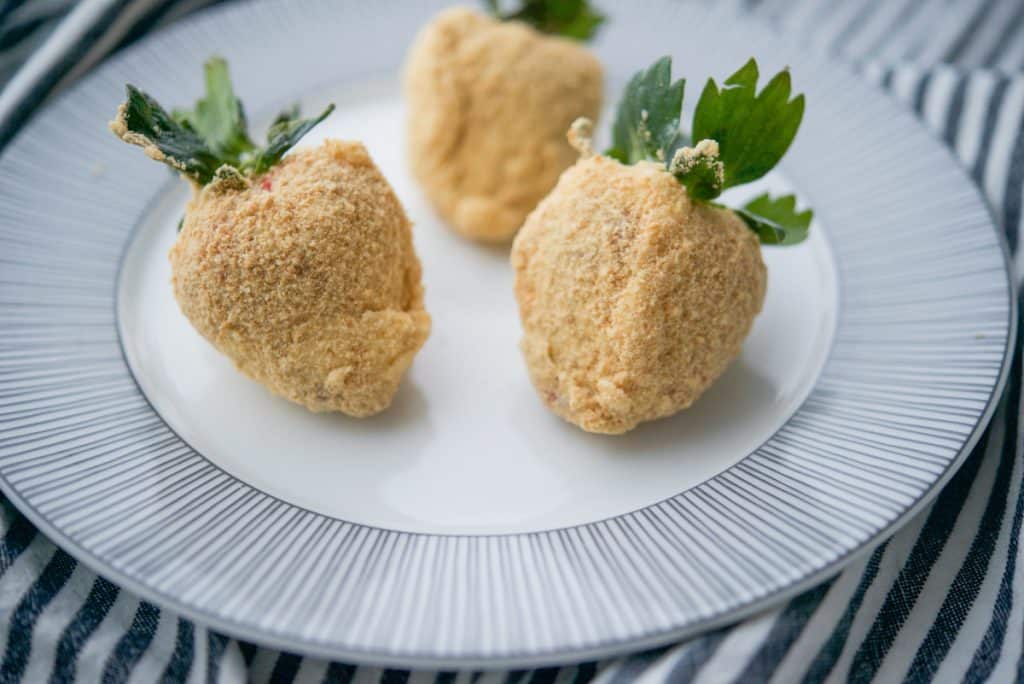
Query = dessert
x=489 y=99
x=636 y=289
x=300 y=268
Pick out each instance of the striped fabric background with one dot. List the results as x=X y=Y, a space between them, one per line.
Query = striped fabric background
x=943 y=599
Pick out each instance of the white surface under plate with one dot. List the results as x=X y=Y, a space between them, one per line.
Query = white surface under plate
x=467 y=525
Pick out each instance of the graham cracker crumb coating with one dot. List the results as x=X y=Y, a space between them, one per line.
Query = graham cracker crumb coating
x=488 y=106
x=633 y=299
x=307 y=279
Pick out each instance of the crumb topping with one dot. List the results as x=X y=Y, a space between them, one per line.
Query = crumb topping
x=705 y=151
x=489 y=105
x=581 y=136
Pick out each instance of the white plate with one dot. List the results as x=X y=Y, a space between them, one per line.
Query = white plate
x=467 y=525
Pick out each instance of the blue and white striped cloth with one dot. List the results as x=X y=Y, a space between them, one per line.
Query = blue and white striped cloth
x=941 y=600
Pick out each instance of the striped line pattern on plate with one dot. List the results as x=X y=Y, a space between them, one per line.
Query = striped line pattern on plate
x=927 y=351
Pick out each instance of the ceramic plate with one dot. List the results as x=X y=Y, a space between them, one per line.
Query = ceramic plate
x=467 y=525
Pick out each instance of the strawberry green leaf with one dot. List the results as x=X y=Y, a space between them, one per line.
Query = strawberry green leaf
x=753 y=130
x=218 y=118
x=647 y=120
x=142 y=121
x=569 y=18
x=201 y=142
x=776 y=220
x=284 y=116
x=281 y=137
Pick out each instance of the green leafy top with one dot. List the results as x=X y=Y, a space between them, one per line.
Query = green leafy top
x=753 y=129
x=212 y=140
x=776 y=220
x=569 y=18
x=647 y=121
x=740 y=136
